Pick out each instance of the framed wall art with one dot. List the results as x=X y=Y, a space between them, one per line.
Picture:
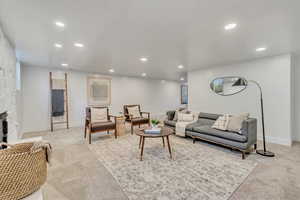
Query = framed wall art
x=98 y=91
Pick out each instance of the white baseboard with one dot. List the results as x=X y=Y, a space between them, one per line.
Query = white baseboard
x=276 y=140
x=296 y=140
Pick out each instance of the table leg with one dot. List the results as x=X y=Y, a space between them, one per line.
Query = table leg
x=169 y=147
x=163 y=140
x=142 y=150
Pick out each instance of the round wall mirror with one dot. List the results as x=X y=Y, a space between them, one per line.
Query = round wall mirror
x=226 y=86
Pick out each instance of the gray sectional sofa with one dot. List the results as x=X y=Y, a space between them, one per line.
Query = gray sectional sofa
x=201 y=129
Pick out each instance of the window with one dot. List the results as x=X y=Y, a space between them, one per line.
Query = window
x=184 y=94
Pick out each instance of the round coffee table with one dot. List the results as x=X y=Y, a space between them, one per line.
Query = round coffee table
x=164 y=133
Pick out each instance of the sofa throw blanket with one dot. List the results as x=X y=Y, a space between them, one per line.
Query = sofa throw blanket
x=183 y=121
x=180 y=128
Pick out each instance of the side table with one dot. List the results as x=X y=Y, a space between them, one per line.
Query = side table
x=121 y=129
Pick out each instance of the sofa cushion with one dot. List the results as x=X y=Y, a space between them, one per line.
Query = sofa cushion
x=204 y=122
x=239 y=145
x=209 y=116
x=170 y=123
x=99 y=126
x=222 y=134
x=190 y=126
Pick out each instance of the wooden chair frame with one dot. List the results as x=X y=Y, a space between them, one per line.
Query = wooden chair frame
x=129 y=118
x=89 y=125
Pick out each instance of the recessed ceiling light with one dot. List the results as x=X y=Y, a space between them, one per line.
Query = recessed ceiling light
x=180 y=67
x=64 y=64
x=59 y=24
x=143 y=59
x=182 y=79
x=111 y=70
x=58 y=45
x=261 y=49
x=144 y=74
x=230 y=26
x=78 y=45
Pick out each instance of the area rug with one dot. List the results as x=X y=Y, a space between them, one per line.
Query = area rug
x=197 y=171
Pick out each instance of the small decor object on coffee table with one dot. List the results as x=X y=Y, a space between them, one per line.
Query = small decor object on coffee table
x=165 y=132
x=155 y=122
x=154 y=130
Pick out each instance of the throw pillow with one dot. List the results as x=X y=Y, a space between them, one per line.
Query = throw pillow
x=221 y=123
x=134 y=111
x=182 y=117
x=180 y=110
x=98 y=115
x=235 y=122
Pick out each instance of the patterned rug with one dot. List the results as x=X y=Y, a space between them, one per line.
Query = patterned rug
x=197 y=171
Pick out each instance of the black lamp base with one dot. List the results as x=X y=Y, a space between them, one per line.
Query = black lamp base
x=265 y=153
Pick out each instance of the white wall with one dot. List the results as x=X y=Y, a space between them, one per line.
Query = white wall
x=274 y=75
x=8 y=99
x=296 y=75
x=153 y=95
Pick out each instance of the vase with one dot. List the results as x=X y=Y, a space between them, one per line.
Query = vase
x=154 y=125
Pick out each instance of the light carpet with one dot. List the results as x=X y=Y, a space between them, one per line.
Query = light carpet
x=197 y=171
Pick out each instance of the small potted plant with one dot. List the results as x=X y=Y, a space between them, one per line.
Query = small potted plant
x=154 y=123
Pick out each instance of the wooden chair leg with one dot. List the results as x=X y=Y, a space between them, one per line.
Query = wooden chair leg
x=131 y=128
x=163 y=140
x=116 y=133
x=194 y=140
x=90 y=137
x=142 y=150
x=255 y=146
x=243 y=155
x=85 y=127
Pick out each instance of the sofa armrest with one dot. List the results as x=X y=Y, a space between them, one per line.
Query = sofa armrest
x=249 y=129
x=170 y=114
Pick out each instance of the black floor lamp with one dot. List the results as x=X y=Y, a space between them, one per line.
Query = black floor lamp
x=263 y=152
x=227 y=86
